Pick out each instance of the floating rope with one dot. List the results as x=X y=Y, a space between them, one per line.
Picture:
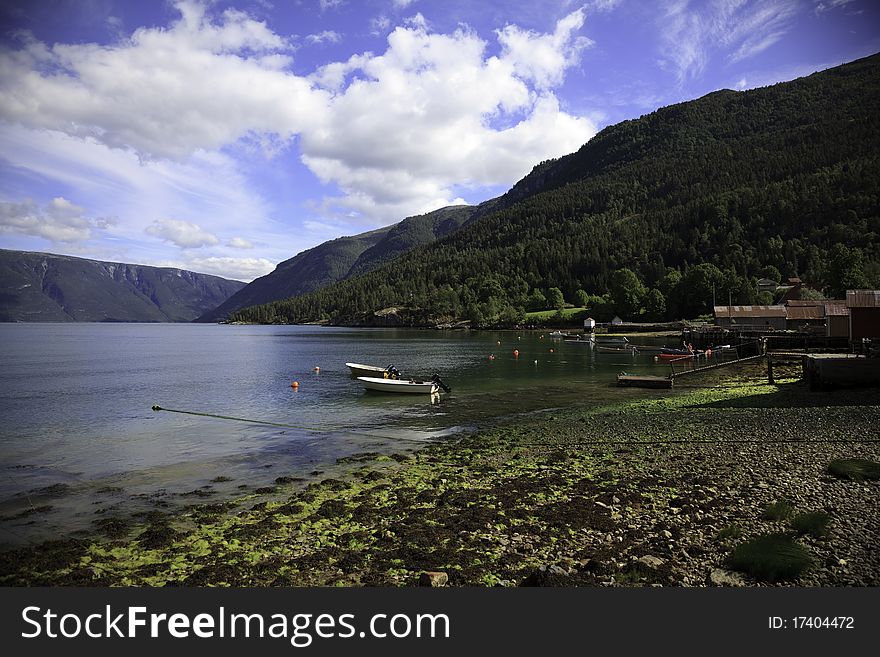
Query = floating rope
x=156 y=407
x=328 y=429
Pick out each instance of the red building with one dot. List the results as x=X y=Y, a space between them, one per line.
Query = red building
x=864 y=314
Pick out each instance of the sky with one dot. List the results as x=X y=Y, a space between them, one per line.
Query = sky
x=226 y=136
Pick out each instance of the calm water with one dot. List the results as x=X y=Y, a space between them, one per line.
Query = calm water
x=78 y=433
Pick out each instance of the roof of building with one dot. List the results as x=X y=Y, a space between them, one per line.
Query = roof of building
x=863 y=298
x=744 y=312
x=804 y=313
x=836 y=309
x=809 y=302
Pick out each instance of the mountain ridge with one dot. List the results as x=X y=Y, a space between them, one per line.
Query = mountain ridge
x=47 y=287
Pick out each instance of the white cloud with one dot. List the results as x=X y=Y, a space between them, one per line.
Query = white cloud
x=242 y=269
x=163 y=92
x=402 y=4
x=823 y=6
x=240 y=243
x=181 y=233
x=327 y=36
x=330 y=4
x=395 y=132
x=544 y=58
x=738 y=29
x=58 y=221
x=438 y=97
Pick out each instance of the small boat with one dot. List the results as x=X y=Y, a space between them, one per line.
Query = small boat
x=667 y=356
x=586 y=339
x=647 y=349
x=411 y=386
x=609 y=349
x=616 y=340
x=389 y=372
x=558 y=334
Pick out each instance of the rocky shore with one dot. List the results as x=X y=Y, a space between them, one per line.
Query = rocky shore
x=671 y=491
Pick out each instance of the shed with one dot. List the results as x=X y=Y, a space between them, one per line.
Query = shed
x=836 y=319
x=589 y=324
x=753 y=318
x=616 y=321
x=864 y=314
x=805 y=315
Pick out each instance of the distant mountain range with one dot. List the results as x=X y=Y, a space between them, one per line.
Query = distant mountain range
x=42 y=287
x=344 y=258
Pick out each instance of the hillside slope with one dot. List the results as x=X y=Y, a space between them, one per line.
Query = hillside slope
x=693 y=199
x=42 y=287
x=342 y=258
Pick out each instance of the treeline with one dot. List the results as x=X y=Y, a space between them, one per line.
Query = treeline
x=655 y=216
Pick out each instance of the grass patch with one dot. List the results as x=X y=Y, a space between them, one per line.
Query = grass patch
x=567 y=313
x=731 y=531
x=771 y=558
x=814 y=523
x=854 y=469
x=778 y=511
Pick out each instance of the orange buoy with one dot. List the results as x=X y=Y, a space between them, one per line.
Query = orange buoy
x=316 y=369
x=491 y=356
x=551 y=351
x=499 y=342
x=295 y=384
x=516 y=353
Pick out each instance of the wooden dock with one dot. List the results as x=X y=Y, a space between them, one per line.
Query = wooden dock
x=644 y=381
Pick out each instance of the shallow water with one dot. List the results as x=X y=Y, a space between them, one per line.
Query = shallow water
x=79 y=440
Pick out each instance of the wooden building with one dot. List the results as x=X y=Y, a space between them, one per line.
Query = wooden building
x=836 y=319
x=751 y=318
x=864 y=314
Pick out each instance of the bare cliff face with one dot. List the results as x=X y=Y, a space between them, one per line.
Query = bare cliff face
x=42 y=287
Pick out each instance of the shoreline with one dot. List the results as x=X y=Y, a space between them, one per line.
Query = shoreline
x=653 y=492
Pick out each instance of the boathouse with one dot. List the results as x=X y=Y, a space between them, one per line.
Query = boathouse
x=864 y=314
x=751 y=318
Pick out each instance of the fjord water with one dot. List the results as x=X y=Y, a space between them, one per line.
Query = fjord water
x=79 y=440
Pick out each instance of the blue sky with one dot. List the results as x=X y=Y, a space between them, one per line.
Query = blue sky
x=227 y=136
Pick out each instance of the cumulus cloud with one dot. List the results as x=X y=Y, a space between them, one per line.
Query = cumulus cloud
x=242 y=269
x=739 y=29
x=396 y=132
x=543 y=58
x=163 y=92
x=327 y=36
x=181 y=233
x=240 y=243
x=58 y=221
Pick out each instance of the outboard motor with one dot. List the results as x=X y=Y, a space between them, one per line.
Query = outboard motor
x=436 y=379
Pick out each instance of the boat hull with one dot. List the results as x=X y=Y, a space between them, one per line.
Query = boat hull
x=399 y=386
x=366 y=370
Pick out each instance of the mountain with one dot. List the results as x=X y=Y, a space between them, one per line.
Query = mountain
x=654 y=216
x=342 y=258
x=42 y=287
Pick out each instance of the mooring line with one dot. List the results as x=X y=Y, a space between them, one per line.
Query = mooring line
x=340 y=429
x=156 y=407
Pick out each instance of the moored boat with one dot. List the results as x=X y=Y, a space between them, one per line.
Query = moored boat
x=357 y=369
x=612 y=349
x=410 y=386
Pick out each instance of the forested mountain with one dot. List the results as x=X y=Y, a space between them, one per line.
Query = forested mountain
x=655 y=216
x=342 y=258
x=42 y=287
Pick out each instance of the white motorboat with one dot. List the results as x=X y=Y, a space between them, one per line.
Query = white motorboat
x=357 y=369
x=411 y=386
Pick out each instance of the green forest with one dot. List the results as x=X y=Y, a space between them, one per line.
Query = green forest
x=655 y=217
